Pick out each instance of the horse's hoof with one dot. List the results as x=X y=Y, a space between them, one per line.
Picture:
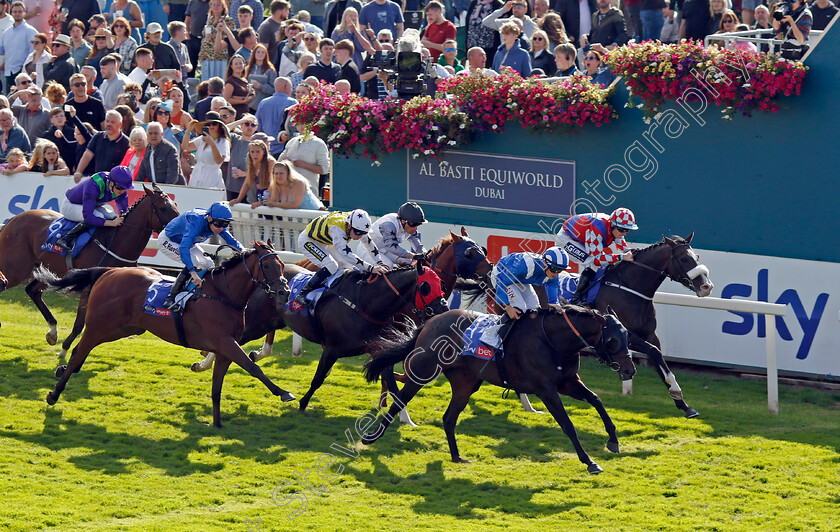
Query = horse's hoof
x=196 y=367
x=51 y=399
x=594 y=468
x=612 y=446
x=59 y=371
x=690 y=413
x=217 y=425
x=367 y=439
x=253 y=355
x=52 y=337
x=286 y=396
x=459 y=460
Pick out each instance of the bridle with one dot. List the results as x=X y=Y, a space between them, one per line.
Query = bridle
x=462 y=267
x=107 y=249
x=685 y=277
x=600 y=348
x=264 y=285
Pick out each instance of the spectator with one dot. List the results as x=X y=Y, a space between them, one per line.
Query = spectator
x=124 y=44
x=652 y=19
x=270 y=27
x=90 y=77
x=175 y=11
x=306 y=60
x=553 y=26
x=163 y=116
x=351 y=30
x=55 y=93
x=257 y=176
x=309 y=155
x=822 y=12
x=244 y=16
x=342 y=86
x=594 y=63
x=195 y=20
x=509 y=53
x=78 y=10
x=145 y=61
x=79 y=48
x=217 y=103
x=742 y=45
x=87 y=108
x=128 y=121
x=261 y=75
x=310 y=12
x=270 y=111
x=564 y=59
x=310 y=44
x=477 y=34
x=160 y=160
x=61 y=66
x=130 y=11
x=46 y=159
x=290 y=190
x=113 y=80
x=237 y=91
x=214 y=52
x=477 y=61
x=248 y=38
x=385 y=37
x=94 y=23
x=150 y=112
x=541 y=57
x=334 y=10
x=305 y=17
x=82 y=133
x=35 y=61
x=256 y=8
x=577 y=17
x=324 y=69
x=727 y=24
x=15 y=162
x=137 y=148
x=153 y=14
x=438 y=30
x=541 y=9
x=31 y=117
x=11 y=135
x=519 y=10
x=106 y=149
x=289 y=130
x=211 y=149
x=794 y=29
x=239 y=141
x=347 y=70
x=62 y=135
x=16 y=44
x=695 y=20
x=178 y=33
x=179 y=117
x=6 y=22
x=449 y=57
x=716 y=9
x=670 y=29
x=608 y=28
x=378 y=15
x=634 y=18
x=103 y=45
x=165 y=57
x=289 y=50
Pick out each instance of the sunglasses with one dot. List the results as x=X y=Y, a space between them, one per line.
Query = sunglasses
x=519 y=5
x=622 y=230
x=118 y=26
x=412 y=225
x=310 y=39
x=161 y=111
x=450 y=49
x=555 y=269
x=36 y=41
x=728 y=21
x=249 y=124
x=359 y=233
x=26 y=82
x=590 y=58
x=101 y=38
x=117 y=187
x=384 y=40
x=80 y=84
x=221 y=223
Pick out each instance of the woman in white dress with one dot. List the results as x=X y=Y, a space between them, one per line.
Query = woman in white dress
x=211 y=147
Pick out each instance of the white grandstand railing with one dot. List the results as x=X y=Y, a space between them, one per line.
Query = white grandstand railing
x=754 y=36
x=282 y=229
x=769 y=310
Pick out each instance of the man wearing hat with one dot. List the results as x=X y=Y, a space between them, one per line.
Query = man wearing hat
x=62 y=65
x=31 y=117
x=163 y=53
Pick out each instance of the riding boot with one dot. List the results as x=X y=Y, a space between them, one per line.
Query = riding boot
x=316 y=281
x=504 y=327
x=584 y=281
x=177 y=287
x=68 y=240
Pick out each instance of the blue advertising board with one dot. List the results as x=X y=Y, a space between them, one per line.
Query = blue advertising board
x=527 y=185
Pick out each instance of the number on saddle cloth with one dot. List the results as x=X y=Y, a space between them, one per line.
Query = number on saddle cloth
x=157 y=292
x=60 y=227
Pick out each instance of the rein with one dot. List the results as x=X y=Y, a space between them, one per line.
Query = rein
x=107 y=249
x=266 y=286
x=663 y=274
x=572 y=327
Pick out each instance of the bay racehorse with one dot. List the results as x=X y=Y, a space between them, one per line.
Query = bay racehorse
x=21 y=239
x=541 y=357
x=214 y=321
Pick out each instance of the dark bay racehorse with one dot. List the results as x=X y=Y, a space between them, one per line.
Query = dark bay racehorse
x=541 y=357
x=214 y=321
x=21 y=239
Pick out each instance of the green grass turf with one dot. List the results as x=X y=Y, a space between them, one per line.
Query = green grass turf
x=130 y=446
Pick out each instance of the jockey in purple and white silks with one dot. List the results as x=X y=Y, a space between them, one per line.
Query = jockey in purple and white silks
x=388 y=232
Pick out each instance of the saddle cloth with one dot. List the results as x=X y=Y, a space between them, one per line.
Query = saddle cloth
x=157 y=292
x=296 y=285
x=59 y=228
x=481 y=339
x=568 y=285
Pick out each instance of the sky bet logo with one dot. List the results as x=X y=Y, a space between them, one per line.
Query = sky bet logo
x=23 y=202
x=807 y=323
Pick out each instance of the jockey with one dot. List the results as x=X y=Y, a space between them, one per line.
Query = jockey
x=595 y=239
x=388 y=232
x=326 y=242
x=180 y=236
x=86 y=202
x=513 y=276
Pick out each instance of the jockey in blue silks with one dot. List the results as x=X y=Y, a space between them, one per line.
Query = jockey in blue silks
x=514 y=277
x=180 y=236
x=86 y=202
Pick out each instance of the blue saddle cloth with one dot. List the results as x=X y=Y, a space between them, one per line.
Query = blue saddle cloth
x=568 y=285
x=473 y=346
x=296 y=285
x=59 y=228
x=157 y=292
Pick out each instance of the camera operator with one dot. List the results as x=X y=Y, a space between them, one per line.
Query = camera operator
x=792 y=22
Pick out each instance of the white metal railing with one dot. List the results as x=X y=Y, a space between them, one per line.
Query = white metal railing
x=281 y=226
x=754 y=36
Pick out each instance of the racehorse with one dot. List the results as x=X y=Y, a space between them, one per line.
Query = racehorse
x=214 y=321
x=541 y=357
x=21 y=239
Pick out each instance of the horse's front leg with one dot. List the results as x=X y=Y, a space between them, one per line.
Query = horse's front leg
x=577 y=390
x=551 y=400
x=34 y=290
x=651 y=348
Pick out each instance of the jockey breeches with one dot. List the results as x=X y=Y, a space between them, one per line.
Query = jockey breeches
x=171 y=250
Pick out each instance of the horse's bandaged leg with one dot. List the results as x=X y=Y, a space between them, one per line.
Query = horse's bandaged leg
x=674 y=389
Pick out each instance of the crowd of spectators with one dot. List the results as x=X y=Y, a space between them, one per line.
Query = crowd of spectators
x=198 y=92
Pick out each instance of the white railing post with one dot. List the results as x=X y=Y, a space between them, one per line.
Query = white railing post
x=772 y=368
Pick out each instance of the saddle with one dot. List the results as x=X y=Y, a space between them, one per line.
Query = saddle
x=157 y=292
x=59 y=228
x=568 y=285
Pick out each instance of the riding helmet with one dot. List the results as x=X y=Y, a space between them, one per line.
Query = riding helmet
x=411 y=213
x=556 y=258
x=624 y=218
x=121 y=176
x=359 y=220
x=220 y=211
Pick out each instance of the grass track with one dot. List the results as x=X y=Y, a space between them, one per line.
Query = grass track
x=129 y=446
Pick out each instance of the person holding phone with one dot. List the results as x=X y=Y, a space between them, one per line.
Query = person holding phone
x=211 y=146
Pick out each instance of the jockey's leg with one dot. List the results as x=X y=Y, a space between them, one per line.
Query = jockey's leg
x=177 y=287
x=69 y=239
x=315 y=252
x=584 y=282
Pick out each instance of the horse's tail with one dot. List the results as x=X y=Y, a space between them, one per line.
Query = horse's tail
x=74 y=281
x=393 y=346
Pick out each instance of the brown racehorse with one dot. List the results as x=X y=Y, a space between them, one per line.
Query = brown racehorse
x=21 y=239
x=214 y=321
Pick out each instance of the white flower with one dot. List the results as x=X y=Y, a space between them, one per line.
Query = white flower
x=451 y=143
x=376 y=163
x=462 y=126
x=495 y=127
x=416 y=155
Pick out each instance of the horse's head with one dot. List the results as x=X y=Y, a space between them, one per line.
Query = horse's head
x=470 y=259
x=163 y=209
x=270 y=276
x=611 y=348
x=686 y=268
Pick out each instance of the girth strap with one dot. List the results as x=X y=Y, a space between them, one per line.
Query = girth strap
x=179 y=328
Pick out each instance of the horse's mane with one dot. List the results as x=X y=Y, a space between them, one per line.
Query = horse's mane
x=439 y=247
x=235 y=259
x=678 y=239
x=135 y=204
x=357 y=276
x=571 y=309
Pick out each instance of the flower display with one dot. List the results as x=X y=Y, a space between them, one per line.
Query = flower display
x=735 y=79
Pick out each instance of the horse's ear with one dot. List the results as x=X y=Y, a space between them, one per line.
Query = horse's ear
x=146 y=189
x=611 y=312
x=156 y=188
x=689 y=237
x=419 y=266
x=455 y=238
x=270 y=244
x=464 y=231
x=669 y=241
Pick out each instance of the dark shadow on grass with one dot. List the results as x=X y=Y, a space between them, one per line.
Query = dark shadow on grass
x=457 y=497
x=20 y=381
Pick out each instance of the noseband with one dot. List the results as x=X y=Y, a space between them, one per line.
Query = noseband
x=600 y=349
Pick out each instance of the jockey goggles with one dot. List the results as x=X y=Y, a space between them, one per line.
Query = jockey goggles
x=221 y=223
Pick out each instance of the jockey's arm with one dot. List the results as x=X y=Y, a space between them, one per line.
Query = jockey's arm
x=602 y=255
x=122 y=203
x=391 y=244
x=191 y=234
x=342 y=246
x=552 y=290
x=416 y=244
x=231 y=240
x=89 y=207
